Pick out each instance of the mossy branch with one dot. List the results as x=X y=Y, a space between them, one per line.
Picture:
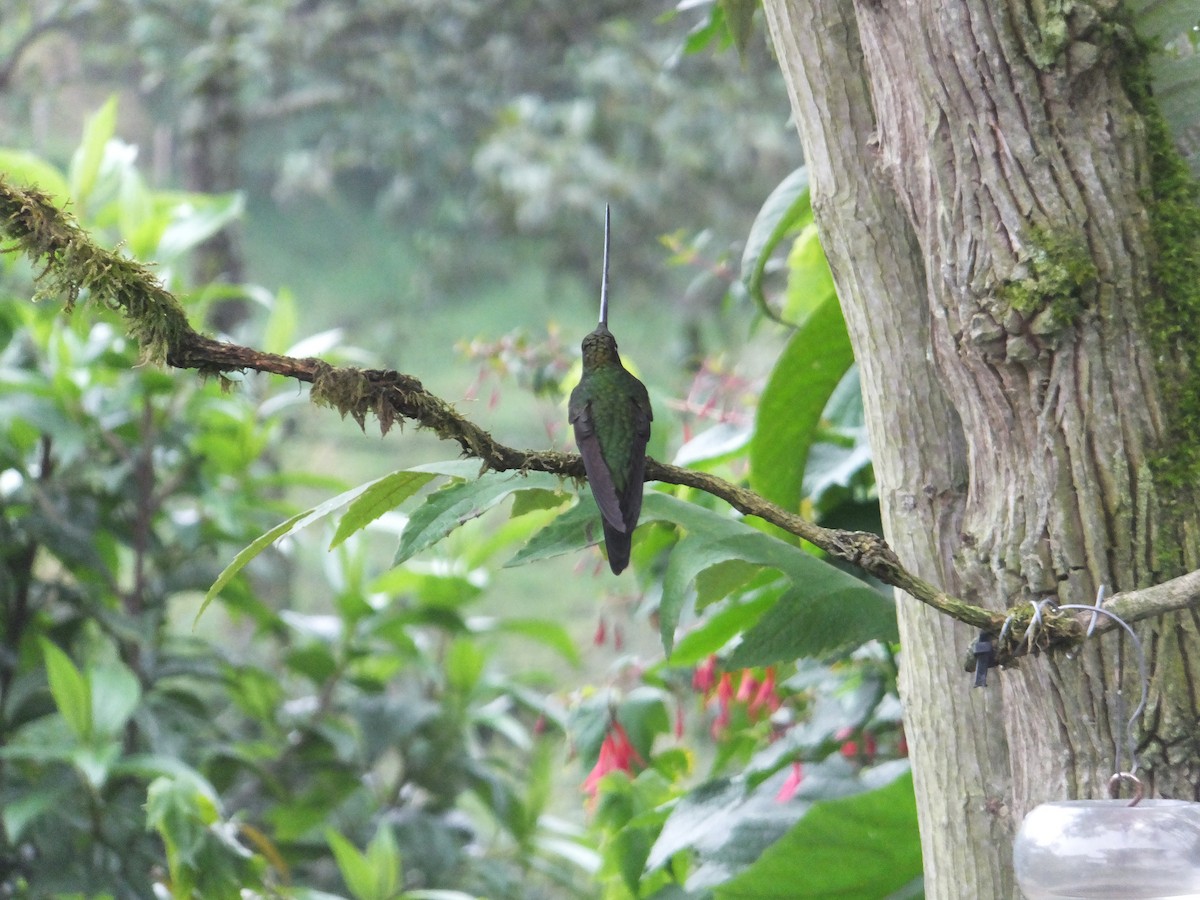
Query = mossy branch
x=75 y=268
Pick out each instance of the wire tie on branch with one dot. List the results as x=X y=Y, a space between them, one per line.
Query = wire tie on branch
x=1127 y=738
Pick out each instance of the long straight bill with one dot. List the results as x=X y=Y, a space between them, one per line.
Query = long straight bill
x=604 y=281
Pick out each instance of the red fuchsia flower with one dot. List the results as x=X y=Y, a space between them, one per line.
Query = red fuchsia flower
x=748 y=687
x=601 y=634
x=851 y=750
x=724 y=696
x=617 y=754
x=705 y=676
x=765 y=697
x=788 y=789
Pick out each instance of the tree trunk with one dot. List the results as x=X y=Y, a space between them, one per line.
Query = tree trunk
x=980 y=180
x=211 y=151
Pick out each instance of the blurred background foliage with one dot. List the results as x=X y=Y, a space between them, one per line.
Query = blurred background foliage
x=428 y=685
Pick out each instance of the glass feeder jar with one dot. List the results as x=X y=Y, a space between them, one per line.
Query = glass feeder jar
x=1083 y=849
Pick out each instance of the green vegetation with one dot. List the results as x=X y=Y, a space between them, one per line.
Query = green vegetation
x=264 y=750
x=1172 y=312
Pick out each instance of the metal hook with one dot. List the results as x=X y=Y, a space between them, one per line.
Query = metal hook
x=1114 y=787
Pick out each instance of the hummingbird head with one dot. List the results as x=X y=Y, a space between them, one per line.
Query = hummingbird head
x=600 y=348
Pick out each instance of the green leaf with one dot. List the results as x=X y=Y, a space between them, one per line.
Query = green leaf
x=115 y=695
x=464 y=665
x=534 y=499
x=283 y=529
x=380 y=497
x=194 y=219
x=855 y=848
x=70 y=689
x=31 y=170
x=85 y=164
x=809 y=281
x=789 y=411
x=19 y=811
x=1177 y=90
x=94 y=761
x=1163 y=18
x=726 y=825
x=458 y=503
x=830 y=596
x=815 y=619
x=739 y=17
x=358 y=869
x=573 y=530
x=719 y=629
x=384 y=858
x=788 y=208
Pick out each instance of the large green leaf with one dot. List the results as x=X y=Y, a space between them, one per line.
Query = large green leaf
x=283 y=529
x=573 y=530
x=28 y=169
x=725 y=825
x=789 y=411
x=788 y=208
x=862 y=847
x=381 y=496
x=811 y=620
x=839 y=608
x=458 y=503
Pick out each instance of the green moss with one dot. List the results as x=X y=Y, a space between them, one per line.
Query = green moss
x=1059 y=271
x=1172 y=315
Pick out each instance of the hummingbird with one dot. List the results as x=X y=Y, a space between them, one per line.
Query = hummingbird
x=610 y=413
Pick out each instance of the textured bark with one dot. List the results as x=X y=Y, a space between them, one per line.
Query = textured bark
x=952 y=151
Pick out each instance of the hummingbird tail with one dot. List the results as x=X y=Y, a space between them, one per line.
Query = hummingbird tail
x=617 y=544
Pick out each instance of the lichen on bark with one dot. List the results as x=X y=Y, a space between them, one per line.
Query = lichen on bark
x=1055 y=276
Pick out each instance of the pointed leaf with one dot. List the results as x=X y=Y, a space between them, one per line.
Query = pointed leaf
x=713 y=539
x=458 y=503
x=196 y=218
x=353 y=864
x=739 y=18
x=283 y=529
x=384 y=858
x=380 y=497
x=575 y=529
x=70 y=689
x=85 y=164
x=787 y=208
x=814 y=619
x=789 y=411
x=860 y=848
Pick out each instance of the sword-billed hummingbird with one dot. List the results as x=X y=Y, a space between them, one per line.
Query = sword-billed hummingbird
x=610 y=412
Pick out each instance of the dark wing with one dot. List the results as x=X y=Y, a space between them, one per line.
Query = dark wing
x=599 y=477
x=631 y=499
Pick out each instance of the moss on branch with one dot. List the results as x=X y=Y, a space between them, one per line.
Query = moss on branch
x=76 y=269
